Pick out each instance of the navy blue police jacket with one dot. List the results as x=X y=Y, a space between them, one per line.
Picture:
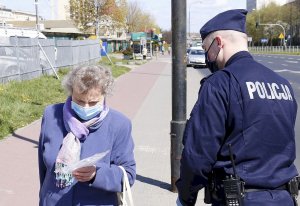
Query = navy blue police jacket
x=254 y=109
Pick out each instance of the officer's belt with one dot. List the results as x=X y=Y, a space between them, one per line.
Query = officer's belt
x=254 y=189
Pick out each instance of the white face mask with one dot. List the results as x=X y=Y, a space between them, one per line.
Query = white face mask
x=87 y=113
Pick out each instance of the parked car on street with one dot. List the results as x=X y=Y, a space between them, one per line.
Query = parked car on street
x=196 y=57
x=188 y=51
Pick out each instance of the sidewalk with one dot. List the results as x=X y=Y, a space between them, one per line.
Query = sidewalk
x=144 y=95
x=151 y=131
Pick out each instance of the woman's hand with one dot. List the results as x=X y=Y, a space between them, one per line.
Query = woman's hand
x=84 y=174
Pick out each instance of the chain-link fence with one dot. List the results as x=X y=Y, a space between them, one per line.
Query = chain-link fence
x=22 y=58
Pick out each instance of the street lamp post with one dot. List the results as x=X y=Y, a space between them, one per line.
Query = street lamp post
x=284 y=43
x=36 y=2
x=97 y=18
x=258 y=15
x=261 y=24
x=178 y=86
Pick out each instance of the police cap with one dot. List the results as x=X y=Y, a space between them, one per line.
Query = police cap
x=228 y=20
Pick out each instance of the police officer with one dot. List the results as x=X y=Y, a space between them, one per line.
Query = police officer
x=247 y=106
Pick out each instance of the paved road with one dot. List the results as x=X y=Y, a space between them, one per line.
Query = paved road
x=280 y=63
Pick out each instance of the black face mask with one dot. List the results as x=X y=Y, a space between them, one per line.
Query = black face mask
x=212 y=65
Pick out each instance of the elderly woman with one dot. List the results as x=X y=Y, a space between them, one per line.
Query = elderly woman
x=79 y=128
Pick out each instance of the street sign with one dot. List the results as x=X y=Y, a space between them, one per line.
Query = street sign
x=136 y=36
x=264 y=40
x=281 y=36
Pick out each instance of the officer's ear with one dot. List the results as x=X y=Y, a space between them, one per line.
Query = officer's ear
x=219 y=41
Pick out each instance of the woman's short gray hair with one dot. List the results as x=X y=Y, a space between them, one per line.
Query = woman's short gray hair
x=88 y=77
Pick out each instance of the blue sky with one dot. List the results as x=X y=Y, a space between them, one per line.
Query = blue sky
x=28 y=5
x=200 y=10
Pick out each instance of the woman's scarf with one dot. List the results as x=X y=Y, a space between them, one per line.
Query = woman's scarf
x=69 y=152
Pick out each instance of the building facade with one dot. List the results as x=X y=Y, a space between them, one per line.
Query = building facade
x=113 y=33
x=13 y=15
x=60 y=9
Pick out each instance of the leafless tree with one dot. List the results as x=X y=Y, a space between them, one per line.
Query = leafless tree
x=133 y=14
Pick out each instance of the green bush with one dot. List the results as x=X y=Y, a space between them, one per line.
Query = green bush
x=128 y=51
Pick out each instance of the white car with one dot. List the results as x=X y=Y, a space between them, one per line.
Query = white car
x=196 y=57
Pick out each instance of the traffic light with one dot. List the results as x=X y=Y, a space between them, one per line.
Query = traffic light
x=256 y=24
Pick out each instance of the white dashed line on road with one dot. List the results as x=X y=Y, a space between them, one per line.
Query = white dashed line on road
x=286 y=70
x=270 y=62
x=293 y=62
x=284 y=65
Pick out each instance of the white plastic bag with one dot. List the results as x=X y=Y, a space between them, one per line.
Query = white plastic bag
x=125 y=197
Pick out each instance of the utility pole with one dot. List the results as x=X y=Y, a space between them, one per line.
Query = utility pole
x=52 y=9
x=37 y=16
x=178 y=86
x=38 y=34
x=97 y=18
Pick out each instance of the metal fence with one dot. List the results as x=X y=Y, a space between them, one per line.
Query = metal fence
x=22 y=58
x=266 y=49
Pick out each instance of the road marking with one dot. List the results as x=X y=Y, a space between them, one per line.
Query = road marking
x=284 y=65
x=293 y=62
x=291 y=58
x=269 y=56
x=286 y=70
x=259 y=60
x=270 y=62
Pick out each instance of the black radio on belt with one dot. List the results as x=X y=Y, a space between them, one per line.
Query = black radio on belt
x=293 y=185
x=233 y=186
x=293 y=188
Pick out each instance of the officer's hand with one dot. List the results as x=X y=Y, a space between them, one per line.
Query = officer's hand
x=84 y=174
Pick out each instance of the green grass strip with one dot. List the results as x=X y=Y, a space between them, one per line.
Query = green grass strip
x=23 y=102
